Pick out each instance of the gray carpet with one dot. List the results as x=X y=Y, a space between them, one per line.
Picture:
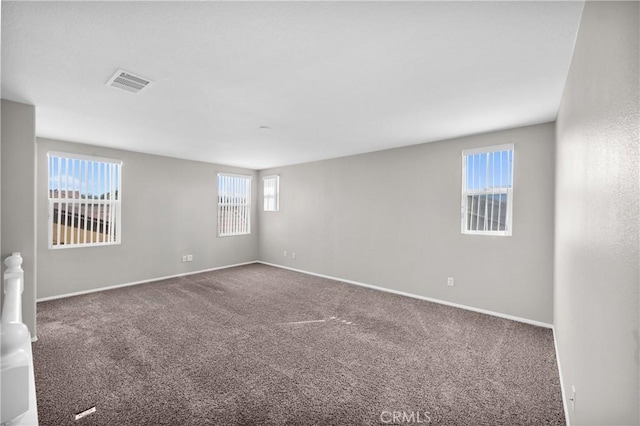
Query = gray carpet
x=261 y=345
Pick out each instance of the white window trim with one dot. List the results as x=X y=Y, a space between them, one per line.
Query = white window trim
x=116 y=204
x=501 y=190
x=277 y=194
x=247 y=205
x=488 y=149
x=84 y=157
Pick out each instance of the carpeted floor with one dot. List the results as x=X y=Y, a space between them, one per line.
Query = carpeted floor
x=261 y=345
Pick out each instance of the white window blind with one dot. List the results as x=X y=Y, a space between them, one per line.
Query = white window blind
x=84 y=200
x=234 y=205
x=487 y=190
x=271 y=192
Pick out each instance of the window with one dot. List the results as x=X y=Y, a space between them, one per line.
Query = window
x=84 y=200
x=487 y=190
x=234 y=205
x=271 y=193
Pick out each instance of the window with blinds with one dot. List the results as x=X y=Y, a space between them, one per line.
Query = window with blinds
x=487 y=190
x=234 y=205
x=271 y=192
x=84 y=200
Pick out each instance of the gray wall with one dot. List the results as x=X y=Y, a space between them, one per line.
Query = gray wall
x=168 y=210
x=596 y=244
x=18 y=197
x=392 y=219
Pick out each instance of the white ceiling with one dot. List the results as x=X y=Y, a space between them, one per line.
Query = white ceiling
x=329 y=78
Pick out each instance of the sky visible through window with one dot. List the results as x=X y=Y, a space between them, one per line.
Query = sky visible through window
x=93 y=179
x=489 y=170
x=235 y=187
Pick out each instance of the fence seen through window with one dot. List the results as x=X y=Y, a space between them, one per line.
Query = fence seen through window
x=487 y=190
x=84 y=200
x=234 y=205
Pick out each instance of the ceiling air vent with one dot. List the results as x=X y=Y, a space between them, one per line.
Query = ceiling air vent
x=127 y=81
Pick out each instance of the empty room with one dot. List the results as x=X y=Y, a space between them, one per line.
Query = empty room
x=320 y=213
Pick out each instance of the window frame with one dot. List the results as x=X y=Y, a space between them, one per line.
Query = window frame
x=114 y=203
x=246 y=205
x=275 y=197
x=501 y=190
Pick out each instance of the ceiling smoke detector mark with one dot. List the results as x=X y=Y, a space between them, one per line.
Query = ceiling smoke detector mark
x=127 y=81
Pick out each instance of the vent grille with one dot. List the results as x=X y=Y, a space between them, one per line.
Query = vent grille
x=127 y=81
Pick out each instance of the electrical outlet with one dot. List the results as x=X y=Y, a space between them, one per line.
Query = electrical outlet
x=189 y=258
x=285 y=253
x=450 y=281
x=293 y=254
x=184 y=259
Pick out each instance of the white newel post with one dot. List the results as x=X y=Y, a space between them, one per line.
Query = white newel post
x=15 y=346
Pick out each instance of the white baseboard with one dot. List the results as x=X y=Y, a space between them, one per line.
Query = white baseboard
x=374 y=287
x=562 y=388
x=111 y=287
x=416 y=296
